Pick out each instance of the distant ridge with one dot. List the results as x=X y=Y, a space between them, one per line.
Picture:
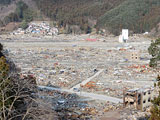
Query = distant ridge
x=88 y=15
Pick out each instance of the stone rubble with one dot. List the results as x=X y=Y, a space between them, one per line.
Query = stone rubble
x=67 y=60
x=34 y=28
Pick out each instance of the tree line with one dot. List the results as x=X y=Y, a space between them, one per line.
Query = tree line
x=21 y=14
x=19 y=94
x=137 y=15
x=5 y=2
x=81 y=13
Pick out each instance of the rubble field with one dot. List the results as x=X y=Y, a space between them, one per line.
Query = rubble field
x=67 y=60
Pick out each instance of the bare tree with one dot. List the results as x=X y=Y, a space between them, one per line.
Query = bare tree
x=15 y=96
x=18 y=94
x=19 y=100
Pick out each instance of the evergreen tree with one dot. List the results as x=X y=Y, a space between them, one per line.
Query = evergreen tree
x=155 y=110
x=1 y=23
x=21 y=7
x=28 y=15
x=5 y=2
x=154 y=50
x=15 y=93
x=24 y=24
x=4 y=80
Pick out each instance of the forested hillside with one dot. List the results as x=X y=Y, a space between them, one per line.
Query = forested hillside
x=76 y=12
x=21 y=13
x=113 y=15
x=5 y=1
x=87 y=15
x=136 y=15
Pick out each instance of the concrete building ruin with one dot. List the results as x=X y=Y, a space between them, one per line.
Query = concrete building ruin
x=139 y=99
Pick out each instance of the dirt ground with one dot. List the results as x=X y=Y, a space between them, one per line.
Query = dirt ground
x=111 y=115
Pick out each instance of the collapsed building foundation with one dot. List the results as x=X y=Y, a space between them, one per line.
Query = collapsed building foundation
x=139 y=99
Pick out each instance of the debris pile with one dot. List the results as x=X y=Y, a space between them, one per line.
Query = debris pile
x=68 y=61
x=38 y=28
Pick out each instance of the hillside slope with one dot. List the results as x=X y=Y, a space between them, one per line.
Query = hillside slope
x=6 y=8
x=9 y=6
x=87 y=15
x=136 y=15
x=83 y=13
x=18 y=11
x=5 y=2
